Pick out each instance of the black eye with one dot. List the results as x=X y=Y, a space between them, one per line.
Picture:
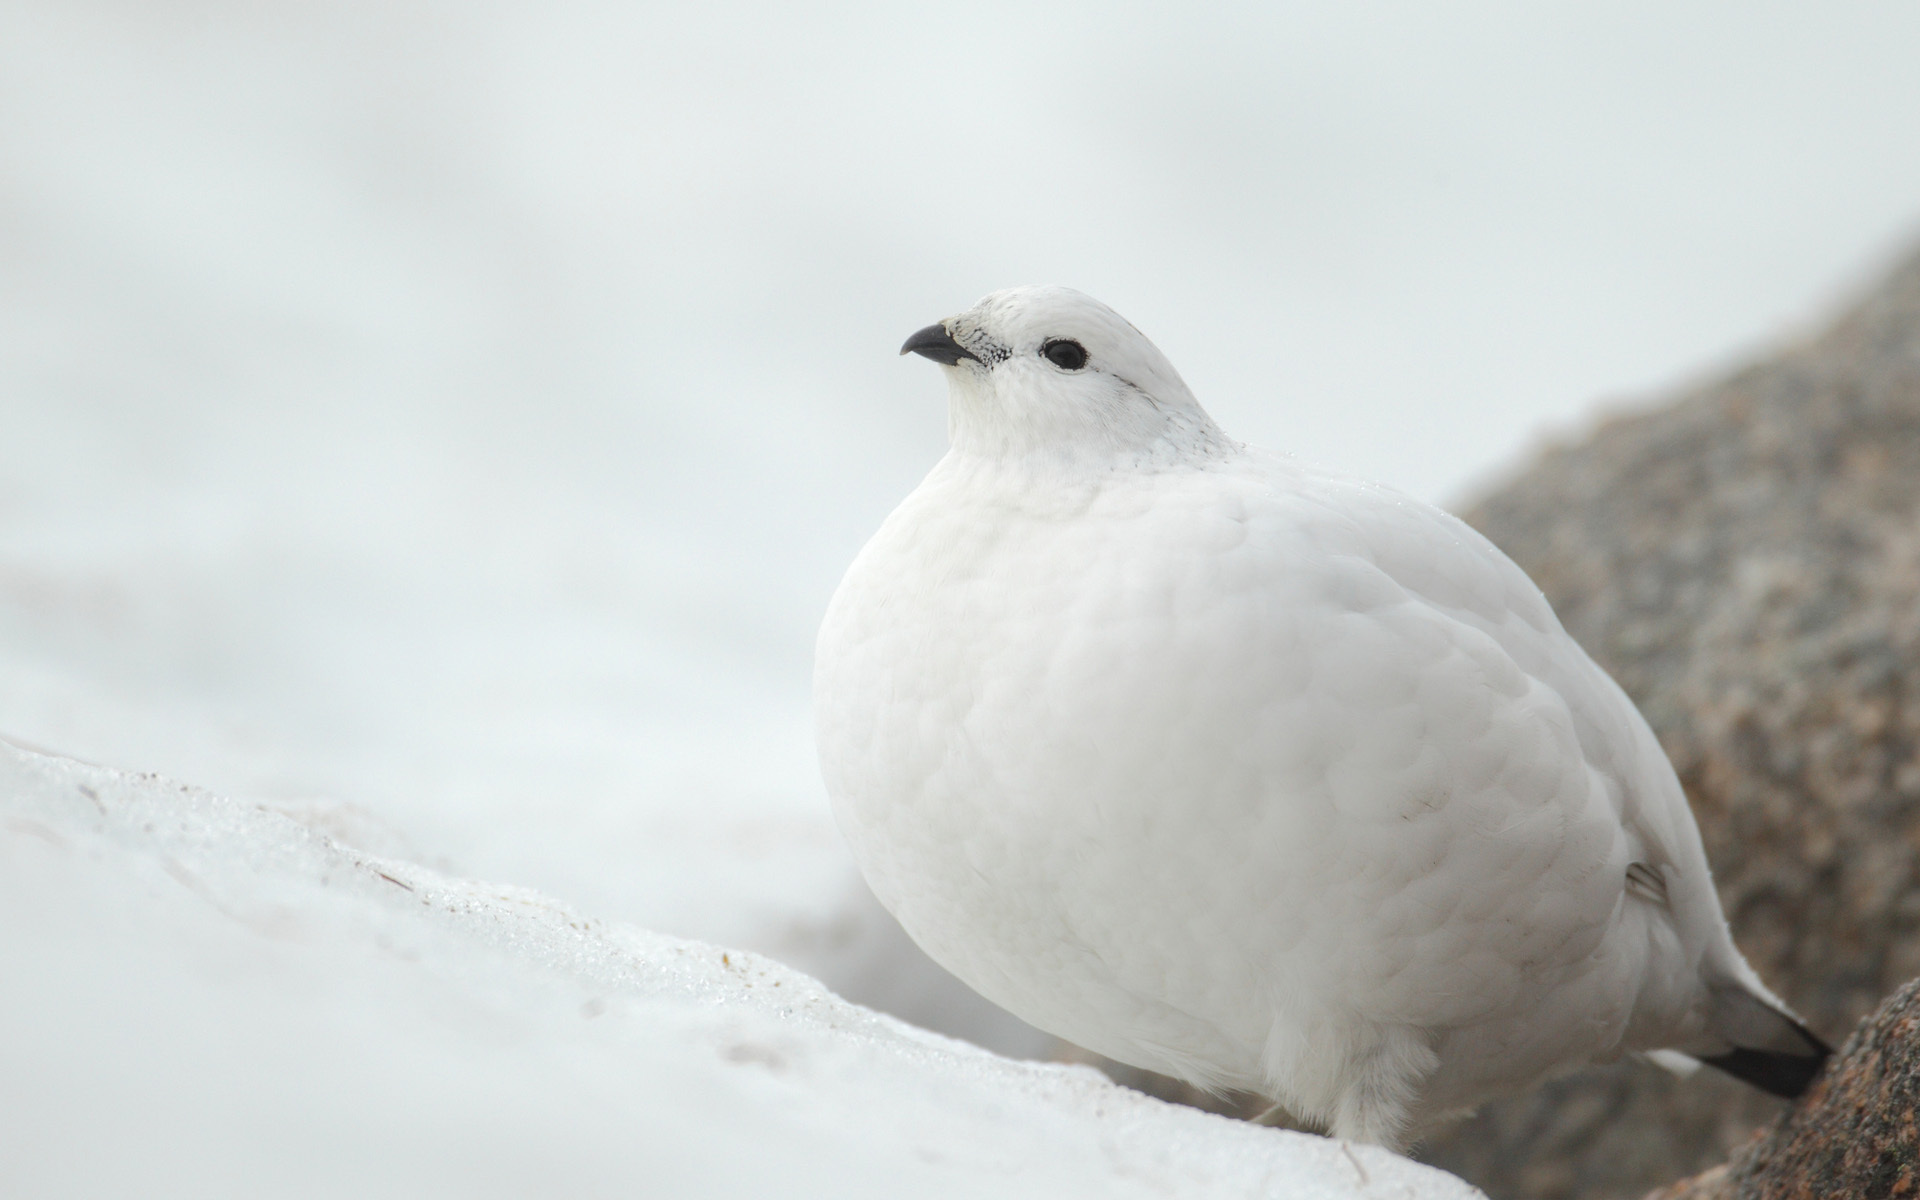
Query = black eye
x=1069 y=355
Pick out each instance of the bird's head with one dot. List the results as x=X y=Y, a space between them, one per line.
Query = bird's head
x=1051 y=373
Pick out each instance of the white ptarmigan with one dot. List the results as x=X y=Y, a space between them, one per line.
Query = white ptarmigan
x=1251 y=774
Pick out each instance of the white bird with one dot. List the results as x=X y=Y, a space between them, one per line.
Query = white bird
x=1247 y=773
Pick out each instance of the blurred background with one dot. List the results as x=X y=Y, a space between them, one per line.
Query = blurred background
x=450 y=421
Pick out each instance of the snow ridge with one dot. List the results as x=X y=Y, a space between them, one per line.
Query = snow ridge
x=208 y=997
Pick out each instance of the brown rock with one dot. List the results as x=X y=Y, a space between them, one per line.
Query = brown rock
x=1853 y=1135
x=1746 y=562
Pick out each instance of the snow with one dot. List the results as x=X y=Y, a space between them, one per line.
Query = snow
x=210 y=998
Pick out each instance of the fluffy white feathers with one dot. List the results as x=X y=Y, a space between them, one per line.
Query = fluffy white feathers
x=1244 y=772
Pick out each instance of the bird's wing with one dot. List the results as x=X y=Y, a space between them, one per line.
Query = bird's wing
x=1450 y=567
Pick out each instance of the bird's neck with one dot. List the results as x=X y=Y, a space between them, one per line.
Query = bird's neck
x=1066 y=442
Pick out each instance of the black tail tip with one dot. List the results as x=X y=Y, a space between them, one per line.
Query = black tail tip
x=1784 y=1075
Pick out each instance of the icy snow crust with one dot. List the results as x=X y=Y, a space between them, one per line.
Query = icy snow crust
x=209 y=998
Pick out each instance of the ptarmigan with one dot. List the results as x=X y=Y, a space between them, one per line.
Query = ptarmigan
x=1251 y=774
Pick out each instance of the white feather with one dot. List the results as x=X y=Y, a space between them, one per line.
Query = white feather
x=1242 y=771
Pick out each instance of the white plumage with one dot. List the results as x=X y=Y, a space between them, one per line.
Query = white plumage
x=1251 y=774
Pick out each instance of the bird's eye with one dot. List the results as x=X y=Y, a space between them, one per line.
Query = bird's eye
x=1066 y=354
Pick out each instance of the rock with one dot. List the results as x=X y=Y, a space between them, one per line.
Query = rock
x=1746 y=562
x=1853 y=1134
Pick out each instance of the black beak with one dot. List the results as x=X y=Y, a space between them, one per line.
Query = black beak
x=936 y=343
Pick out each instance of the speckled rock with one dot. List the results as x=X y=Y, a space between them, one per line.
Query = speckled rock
x=1746 y=562
x=1852 y=1135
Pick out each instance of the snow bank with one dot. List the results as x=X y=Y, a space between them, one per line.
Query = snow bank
x=208 y=998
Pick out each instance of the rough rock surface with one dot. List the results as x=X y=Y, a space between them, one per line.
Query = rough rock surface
x=1853 y=1134
x=1746 y=562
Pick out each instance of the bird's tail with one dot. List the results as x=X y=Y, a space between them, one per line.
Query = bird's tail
x=1769 y=1048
